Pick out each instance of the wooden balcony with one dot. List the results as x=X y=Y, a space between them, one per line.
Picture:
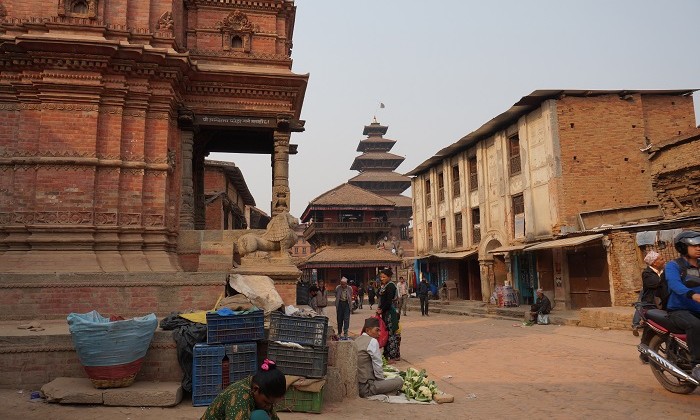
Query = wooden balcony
x=316 y=228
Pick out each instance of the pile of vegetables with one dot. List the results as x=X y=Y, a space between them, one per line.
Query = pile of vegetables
x=417 y=386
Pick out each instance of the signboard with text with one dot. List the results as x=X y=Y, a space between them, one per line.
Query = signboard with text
x=235 y=121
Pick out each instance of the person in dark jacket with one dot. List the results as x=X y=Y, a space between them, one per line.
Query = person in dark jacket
x=423 y=289
x=542 y=306
x=652 y=281
x=371 y=293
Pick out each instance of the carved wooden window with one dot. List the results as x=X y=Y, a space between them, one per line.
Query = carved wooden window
x=78 y=8
x=430 y=236
x=476 y=226
x=236 y=31
x=236 y=42
x=443 y=233
x=459 y=241
x=455 y=181
x=473 y=175
x=514 y=154
x=427 y=193
x=441 y=187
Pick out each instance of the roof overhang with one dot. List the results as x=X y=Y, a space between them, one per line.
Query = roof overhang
x=448 y=255
x=507 y=248
x=564 y=243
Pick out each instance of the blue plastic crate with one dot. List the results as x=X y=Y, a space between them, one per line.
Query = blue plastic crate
x=296 y=329
x=206 y=373
x=309 y=362
x=242 y=360
x=235 y=328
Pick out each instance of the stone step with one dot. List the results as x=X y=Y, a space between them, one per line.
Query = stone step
x=139 y=394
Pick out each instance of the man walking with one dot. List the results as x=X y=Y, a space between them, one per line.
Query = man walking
x=403 y=296
x=343 y=300
x=423 y=289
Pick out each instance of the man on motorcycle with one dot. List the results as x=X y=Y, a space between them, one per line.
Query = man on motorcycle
x=683 y=277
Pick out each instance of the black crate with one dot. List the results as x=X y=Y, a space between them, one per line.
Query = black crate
x=206 y=373
x=307 y=362
x=235 y=328
x=296 y=329
x=242 y=360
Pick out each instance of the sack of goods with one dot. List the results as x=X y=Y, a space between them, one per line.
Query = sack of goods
x=111 y=352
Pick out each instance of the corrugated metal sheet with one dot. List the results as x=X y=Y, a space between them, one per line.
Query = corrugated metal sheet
x=448 y=255
x=507 y=248
x=563 y=243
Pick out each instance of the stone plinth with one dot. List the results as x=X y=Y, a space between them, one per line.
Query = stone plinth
x=140 y=394
x=285 y=275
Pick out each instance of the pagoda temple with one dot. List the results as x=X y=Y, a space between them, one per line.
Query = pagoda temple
x=361 y=225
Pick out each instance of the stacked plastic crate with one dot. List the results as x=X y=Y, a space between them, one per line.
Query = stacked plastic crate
x=307 y=356
x=231 y=353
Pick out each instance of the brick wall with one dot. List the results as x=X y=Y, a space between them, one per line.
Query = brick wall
x=30 y=362
x=625 y=264
x=600 y=139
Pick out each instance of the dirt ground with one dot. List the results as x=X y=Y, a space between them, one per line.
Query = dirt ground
x=494 y=369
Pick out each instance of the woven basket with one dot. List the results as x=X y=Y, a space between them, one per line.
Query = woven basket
x=111 y=352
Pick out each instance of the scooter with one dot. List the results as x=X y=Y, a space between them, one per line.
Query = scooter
x=665 y=347
x=355 y=304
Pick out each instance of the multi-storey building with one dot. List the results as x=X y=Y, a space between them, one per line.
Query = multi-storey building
x=522 y=199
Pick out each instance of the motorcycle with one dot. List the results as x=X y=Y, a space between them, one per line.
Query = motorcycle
x=355 y=303
x=664 y=347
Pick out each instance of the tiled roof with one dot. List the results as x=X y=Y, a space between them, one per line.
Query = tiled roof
x=401 y=200
x=350 y=195
x=369 y=176
x=368 y=255
x=379 y=156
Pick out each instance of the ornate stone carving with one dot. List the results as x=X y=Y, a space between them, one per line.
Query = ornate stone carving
x=106 y=219
x=129 y=219
x=78 y=8
x=236 y=31
x=236 y=21
x=153 y=220
x=279 y=236
x=166 y=22
x=280 y=199
x=3 y=12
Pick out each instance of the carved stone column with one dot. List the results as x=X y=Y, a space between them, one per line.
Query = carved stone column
x=487 y=279
x=187 y=190
x=280 y=173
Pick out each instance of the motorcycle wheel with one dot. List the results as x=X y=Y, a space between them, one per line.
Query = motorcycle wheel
x=668 y=381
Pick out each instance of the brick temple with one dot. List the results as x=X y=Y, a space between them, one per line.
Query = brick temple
x=108 y=110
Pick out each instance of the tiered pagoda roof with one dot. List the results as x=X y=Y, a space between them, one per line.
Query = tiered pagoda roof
x=377 y=166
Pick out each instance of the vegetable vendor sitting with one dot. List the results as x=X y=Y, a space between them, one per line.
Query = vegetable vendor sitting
x=370 y=374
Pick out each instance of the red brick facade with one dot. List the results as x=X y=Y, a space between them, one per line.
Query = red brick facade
x=587 y=124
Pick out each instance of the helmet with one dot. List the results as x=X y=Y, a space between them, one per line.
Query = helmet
x=689 y=237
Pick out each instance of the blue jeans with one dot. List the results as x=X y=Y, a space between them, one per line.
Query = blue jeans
x=343 y=317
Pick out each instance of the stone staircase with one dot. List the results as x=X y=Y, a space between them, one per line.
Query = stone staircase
x=484 y=310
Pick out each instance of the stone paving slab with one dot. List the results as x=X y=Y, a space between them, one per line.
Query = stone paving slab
x=140 y=394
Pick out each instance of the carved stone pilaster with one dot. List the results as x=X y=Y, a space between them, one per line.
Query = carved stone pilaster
x=280 y=173
x=187 y=189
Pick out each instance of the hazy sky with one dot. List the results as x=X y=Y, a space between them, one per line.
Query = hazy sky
x=446 y=67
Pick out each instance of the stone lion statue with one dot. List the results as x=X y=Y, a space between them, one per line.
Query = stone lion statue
x=279 y=236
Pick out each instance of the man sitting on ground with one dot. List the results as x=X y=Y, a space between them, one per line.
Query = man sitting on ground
x=542 y=306
x=370 y=374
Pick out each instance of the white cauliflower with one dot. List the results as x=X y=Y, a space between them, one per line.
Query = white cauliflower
x=426 y=392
